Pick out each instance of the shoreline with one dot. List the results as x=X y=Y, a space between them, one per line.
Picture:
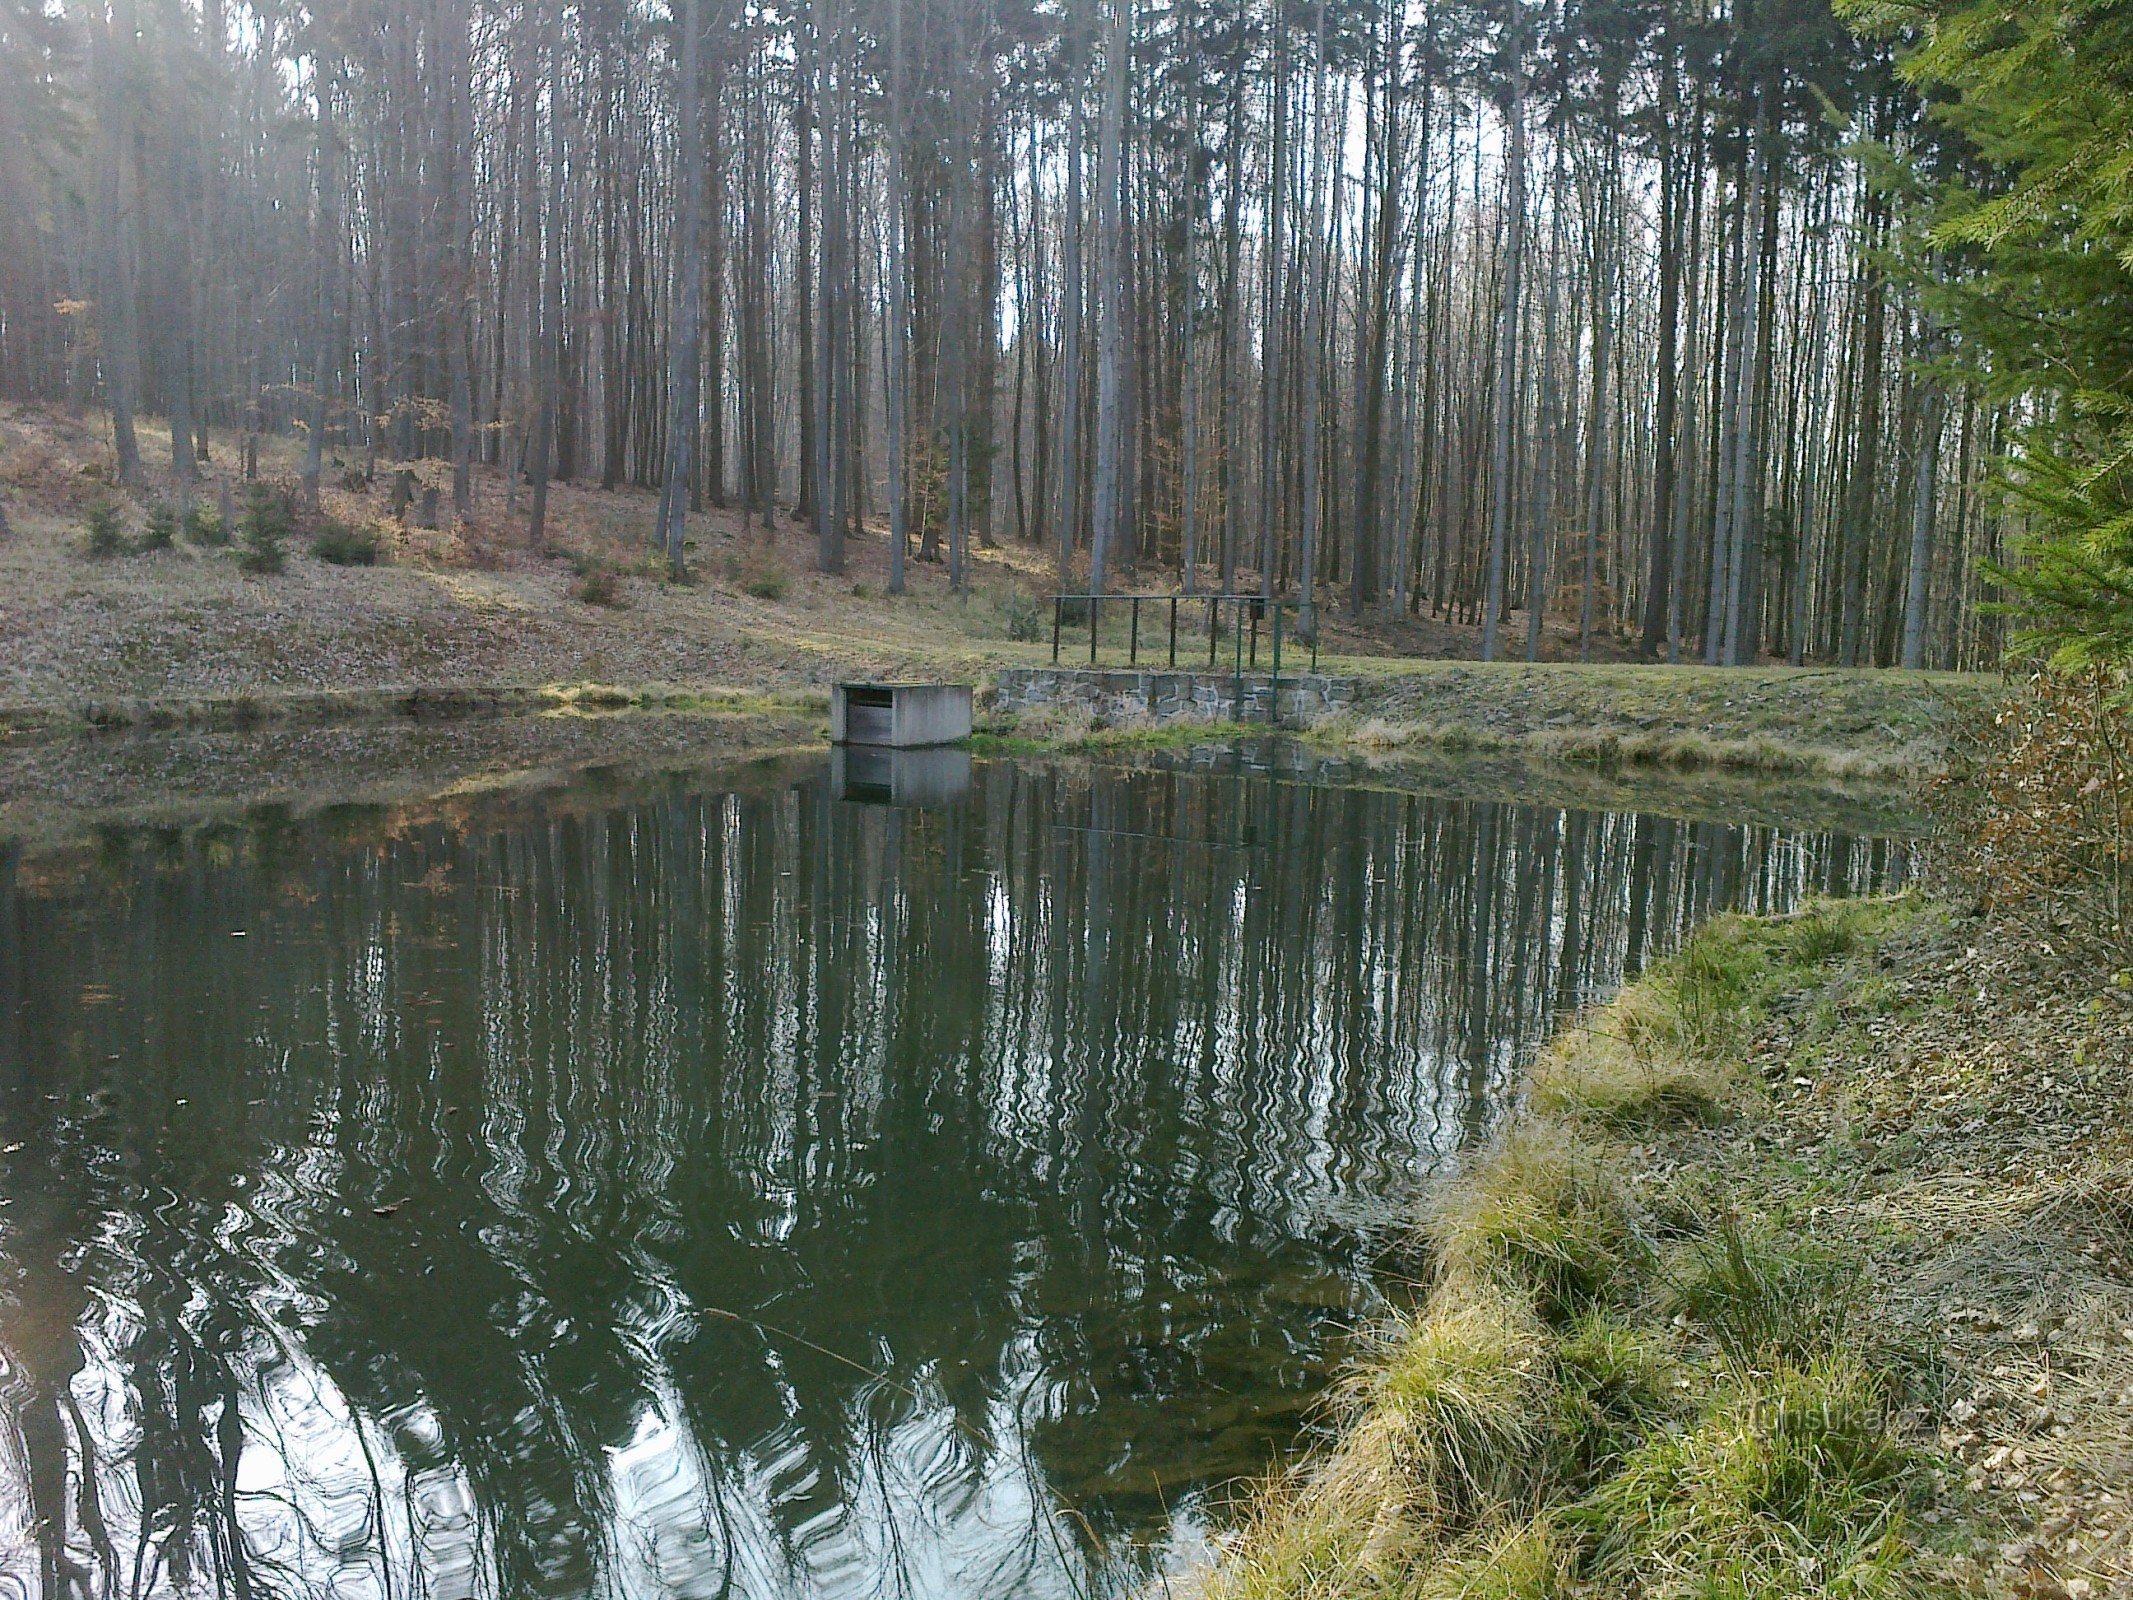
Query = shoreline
x=1816 y=1167
x=57 y=789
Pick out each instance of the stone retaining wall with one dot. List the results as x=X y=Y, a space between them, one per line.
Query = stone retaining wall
x=1116 y=692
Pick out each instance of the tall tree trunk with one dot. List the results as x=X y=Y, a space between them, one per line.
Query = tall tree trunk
x=1273 y=302
x=1732 y=334
x=1232 y=320
x=1658 y=584
x=1368 y=518
x=804 y=118
x=328 y=249
x=1866 y=462
x=1188 y=368
x=111 y=45
x=683 y=365
x=544 y=427
x=1072 y=295
x=1552 y=453
x=1740 y=427
x=1105 y=501
x=711 y=473
x=1501 y=493
x=1316 y=269
x=1692 y=356
x=897 y=365
x=1932 y=407
x=1603 y=327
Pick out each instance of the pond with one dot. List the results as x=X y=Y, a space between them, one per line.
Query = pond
x=714 y=1186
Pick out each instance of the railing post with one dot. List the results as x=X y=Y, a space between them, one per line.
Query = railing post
x=1092 y=630
x=1214 y=619
x=1058 y=606
x=1254 y=609
x=1133 y=646
x=1173 y=633
x=1273 y=706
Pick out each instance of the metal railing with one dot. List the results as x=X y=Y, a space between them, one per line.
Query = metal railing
x=1247 y=613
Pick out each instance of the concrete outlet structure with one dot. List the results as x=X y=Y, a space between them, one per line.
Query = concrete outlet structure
x=900 y=716
x=1204 y=696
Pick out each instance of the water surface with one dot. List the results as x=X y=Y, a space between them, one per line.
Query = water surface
x=717 y=1187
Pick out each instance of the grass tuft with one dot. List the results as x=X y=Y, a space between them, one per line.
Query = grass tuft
x=1543 y=1216
x=1576 y=1413
x=1821 y=933
x=1711 y=982
x=1536 y=1560
x=1613 y=1391
x=1762 y=1294
x=1790 y=1484
x=1626 y=1086
x=1459 y=1405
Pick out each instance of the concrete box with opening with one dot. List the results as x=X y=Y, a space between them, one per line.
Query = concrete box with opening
x=901 y=716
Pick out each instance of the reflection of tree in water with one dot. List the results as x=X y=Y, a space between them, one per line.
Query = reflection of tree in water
x=743 y=1193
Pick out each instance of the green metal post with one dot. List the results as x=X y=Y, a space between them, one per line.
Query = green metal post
x=1273 y=709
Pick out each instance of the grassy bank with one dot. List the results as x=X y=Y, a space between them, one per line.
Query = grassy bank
x=1802 y=1270
x=1867 y=724
x=57 y=792
x=1846 y=726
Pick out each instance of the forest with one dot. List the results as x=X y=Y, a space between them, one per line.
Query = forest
x=1729 y=333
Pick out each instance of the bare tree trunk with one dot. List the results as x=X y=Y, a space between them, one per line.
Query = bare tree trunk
x=1375 y=332
x=897 y=363
x=1740 y=427
x=1272 y=304
x=1188 y=373
x=458 y=285
x=1111 y=334
x=115 y=310
x=328 y=252
x=1692 y=356
x=1501 y=493
x=1232 y=306
x=1314 y=251
x=544 y=427
x=804 y=117
x=1071 y=309
x=1727 y=420
x=1931 y=410
x=1603 y=324
x=1658 y=592
x=682 y=349
x=1550 y=422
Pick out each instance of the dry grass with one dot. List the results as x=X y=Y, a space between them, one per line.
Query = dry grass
x=1843 y=725
x=470 y=603
x=1623 y=1387
x=1542 y=1215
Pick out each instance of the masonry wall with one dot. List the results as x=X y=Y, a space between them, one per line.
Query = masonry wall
x=1112 y=692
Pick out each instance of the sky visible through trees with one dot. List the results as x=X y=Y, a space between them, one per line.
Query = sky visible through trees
x=1445 y=307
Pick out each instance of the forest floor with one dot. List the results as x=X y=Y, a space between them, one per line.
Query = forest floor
x=472 y=618
x=1805 y=1268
